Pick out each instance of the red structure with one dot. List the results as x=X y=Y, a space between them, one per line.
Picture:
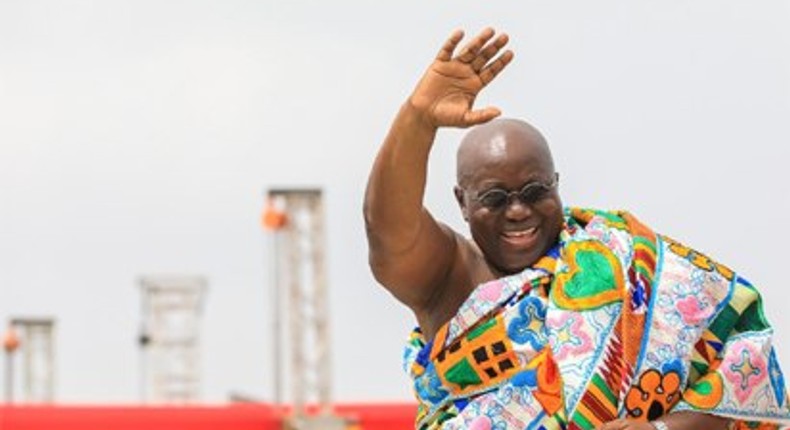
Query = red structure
x=230 y=417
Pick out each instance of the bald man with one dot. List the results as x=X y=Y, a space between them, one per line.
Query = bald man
x=549 y=317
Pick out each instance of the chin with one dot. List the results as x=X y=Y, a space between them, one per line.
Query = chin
x=515 y=267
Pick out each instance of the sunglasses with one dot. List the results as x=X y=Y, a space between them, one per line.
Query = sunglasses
x=533 y=192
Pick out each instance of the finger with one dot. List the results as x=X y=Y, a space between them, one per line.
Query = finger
x=619 y=424
x=480 y=116
x=472 y=48
x=446 y=53
x=489 y=52
x=489 y=72
x=611 y=425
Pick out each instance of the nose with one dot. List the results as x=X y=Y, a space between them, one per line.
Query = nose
x=516 y=209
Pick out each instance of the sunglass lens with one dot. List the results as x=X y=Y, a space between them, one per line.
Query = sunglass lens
x=494 y=199
x=532 y=193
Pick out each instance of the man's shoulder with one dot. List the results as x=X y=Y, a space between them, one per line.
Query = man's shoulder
x=618 y=219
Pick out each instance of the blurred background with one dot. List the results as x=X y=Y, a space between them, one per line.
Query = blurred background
x=141 y=138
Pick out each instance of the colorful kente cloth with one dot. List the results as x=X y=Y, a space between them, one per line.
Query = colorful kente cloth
x=615 y=321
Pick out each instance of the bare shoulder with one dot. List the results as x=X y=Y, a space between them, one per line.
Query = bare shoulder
x=469 y=269
x=414 y=272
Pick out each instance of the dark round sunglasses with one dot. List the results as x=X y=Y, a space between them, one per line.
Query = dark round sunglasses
x=531 y=193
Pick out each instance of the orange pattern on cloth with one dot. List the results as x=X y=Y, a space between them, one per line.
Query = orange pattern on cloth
x=656 y=320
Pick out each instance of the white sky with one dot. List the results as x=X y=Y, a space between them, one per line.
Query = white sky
x=137 y=137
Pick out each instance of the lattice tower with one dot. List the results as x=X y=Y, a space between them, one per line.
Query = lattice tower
x=170 y=338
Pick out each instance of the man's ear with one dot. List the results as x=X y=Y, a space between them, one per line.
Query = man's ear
x=461 y=199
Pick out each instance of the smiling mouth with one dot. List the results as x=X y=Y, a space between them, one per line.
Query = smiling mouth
x=520 y=237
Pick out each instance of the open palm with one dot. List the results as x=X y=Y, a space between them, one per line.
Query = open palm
x=447 y=92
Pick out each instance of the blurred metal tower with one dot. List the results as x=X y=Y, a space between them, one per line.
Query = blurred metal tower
x=170 y=338
x=36 y=339
x=296 y=218
x=10 y=345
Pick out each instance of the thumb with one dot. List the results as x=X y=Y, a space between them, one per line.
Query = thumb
x=480 y=116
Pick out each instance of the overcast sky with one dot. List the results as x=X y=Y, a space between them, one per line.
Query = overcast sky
x=137 y=137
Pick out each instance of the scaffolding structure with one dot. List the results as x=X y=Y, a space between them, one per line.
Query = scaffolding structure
x=36 y=341
x=170 y=338
x=295 y=218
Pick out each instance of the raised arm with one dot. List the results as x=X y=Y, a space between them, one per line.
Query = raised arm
x=410 y=253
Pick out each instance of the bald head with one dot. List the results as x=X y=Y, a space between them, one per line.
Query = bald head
x=499 y=141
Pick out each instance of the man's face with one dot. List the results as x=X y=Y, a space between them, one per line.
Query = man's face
x=512 y=234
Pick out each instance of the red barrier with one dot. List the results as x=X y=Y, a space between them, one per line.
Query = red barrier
x=380 y=416
x=230 y=417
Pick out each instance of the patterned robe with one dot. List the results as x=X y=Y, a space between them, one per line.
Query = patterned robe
x=615 y=321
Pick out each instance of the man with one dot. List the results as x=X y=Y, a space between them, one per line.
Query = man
x=551 y=317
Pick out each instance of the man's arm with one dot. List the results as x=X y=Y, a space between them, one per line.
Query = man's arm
x=410 y=253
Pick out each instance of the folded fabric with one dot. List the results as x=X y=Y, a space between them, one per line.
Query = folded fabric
x=615 y=321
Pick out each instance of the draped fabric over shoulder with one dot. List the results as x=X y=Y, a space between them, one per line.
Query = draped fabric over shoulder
x=615 y=321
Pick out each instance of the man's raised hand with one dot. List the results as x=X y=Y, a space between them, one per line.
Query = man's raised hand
x=446 y=94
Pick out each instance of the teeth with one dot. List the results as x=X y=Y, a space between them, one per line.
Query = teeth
x=520 y=233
